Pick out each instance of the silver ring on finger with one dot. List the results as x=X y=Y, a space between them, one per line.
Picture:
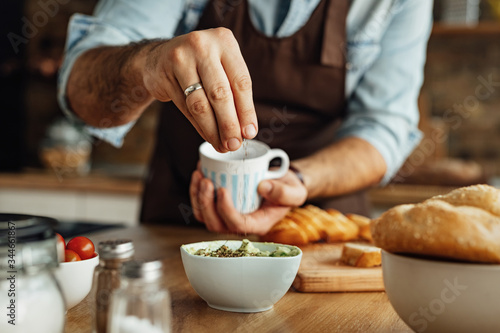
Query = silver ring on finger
x=192 y=88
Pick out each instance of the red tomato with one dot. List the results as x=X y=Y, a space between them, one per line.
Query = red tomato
x=83 y=246
x=61 y=246
x=71 y=255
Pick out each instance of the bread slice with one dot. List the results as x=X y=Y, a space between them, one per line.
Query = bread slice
x=286 y=231
x=361 y=255
x=338 y=227
x=363 y=223
x=311 y=229
x=306 y=219
x=310 y=224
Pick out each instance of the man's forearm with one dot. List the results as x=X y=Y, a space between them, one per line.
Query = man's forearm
x=106 y=88
x=343 y=167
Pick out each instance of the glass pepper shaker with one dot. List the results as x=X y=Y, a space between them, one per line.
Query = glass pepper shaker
x=112 y=255
x=142 y=303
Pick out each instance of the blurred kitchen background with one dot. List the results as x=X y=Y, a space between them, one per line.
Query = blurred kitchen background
x=49 y=168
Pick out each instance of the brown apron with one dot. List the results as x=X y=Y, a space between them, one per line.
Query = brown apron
x=298 y=88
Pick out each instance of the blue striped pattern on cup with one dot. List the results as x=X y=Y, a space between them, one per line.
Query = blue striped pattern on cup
x=243 y=187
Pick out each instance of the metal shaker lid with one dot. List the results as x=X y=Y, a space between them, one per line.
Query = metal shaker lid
x=142 y=269
x=116 y=249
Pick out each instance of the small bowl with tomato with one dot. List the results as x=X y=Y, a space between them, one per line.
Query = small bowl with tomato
x=77 y=261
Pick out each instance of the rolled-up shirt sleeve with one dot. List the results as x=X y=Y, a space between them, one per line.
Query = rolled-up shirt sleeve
x=382 y=108
x=114 y=22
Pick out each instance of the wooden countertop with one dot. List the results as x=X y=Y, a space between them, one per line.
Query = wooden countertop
x=295 y=312
x=486 y=28
x=45 y=180
x=398 y=194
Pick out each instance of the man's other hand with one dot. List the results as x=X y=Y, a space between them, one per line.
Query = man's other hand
x=280 y=195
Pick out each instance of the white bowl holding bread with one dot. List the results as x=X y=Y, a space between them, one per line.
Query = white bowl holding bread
x=240 y=284
x=441 y=261
x=440 y=296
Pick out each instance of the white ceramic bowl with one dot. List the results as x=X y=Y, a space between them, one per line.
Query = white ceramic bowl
x=244 y=284
x=443 y=296
x=75 y=279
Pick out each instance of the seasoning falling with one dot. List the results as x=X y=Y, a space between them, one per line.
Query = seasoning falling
x=245 y=156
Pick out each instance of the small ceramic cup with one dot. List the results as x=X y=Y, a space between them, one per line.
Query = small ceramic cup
x=241 y=171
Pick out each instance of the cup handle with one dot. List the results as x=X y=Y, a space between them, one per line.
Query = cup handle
x=285 y=164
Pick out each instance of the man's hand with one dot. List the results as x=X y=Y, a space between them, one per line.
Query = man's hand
x=280 y=195
x=222 y=112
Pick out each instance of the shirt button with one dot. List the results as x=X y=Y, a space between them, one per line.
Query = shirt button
x=348 y=66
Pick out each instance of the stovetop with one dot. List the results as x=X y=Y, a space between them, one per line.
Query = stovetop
x=69 y=229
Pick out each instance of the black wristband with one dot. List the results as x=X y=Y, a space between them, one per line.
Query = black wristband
x=297 y=173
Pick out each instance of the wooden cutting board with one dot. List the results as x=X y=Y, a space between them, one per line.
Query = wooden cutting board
x=321 y=271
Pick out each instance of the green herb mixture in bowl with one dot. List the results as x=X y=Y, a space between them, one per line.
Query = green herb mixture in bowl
x=247 y=249
x=240 y=276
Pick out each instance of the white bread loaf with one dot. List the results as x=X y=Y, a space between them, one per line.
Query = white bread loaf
x=463 y=225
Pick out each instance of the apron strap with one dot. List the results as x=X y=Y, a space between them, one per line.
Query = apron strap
x=334 y=50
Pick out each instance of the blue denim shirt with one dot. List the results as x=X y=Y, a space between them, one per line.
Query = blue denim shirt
x=386 y=47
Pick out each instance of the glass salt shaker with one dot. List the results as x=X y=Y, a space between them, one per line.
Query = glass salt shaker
x=30 y=296
x=112 y=255
x=142 y=303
